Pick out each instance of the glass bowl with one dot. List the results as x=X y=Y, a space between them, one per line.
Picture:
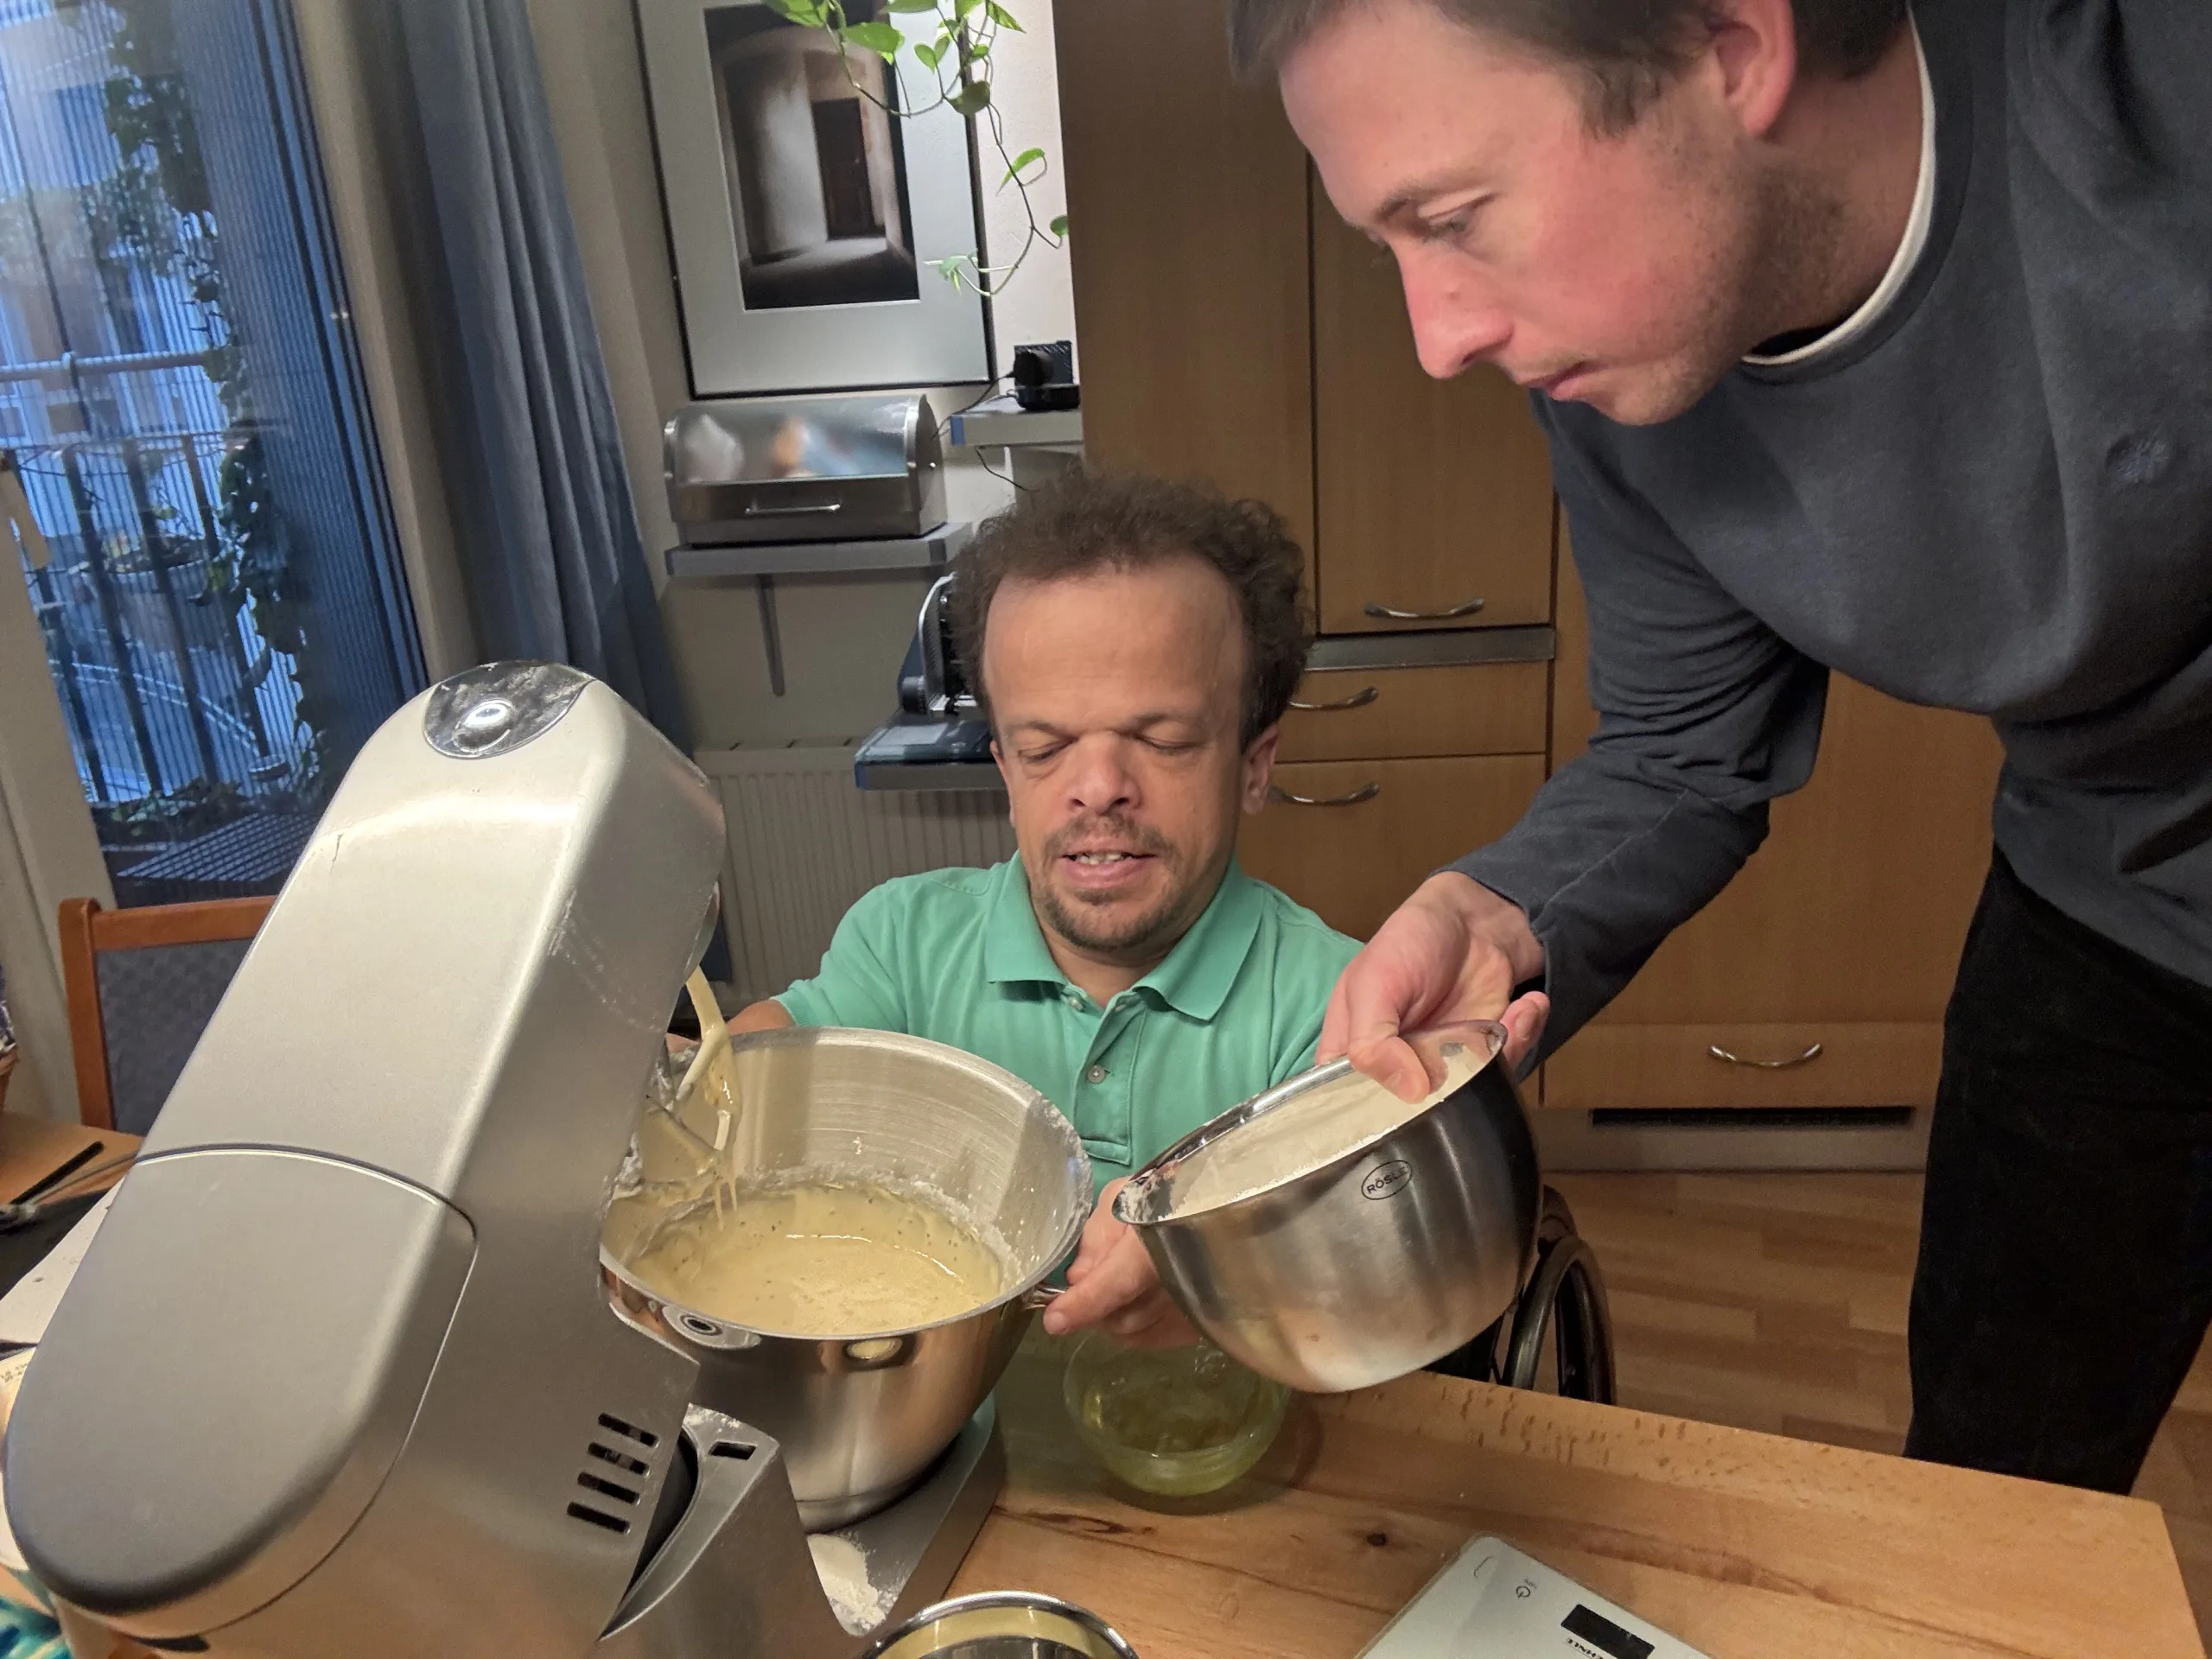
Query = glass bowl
x=1174 y=1422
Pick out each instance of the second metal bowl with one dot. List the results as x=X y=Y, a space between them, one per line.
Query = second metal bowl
x=1373 y=1263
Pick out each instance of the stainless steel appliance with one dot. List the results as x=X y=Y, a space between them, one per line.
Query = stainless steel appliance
x=804 y=469
x=340 y=1373
x=939 y=739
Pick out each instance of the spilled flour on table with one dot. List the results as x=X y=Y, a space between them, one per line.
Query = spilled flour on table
x=861 y=1602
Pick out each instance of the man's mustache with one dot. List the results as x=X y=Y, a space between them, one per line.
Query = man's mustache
x=1125 y=836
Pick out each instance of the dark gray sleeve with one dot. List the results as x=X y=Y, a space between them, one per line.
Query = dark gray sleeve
x=1705 y=715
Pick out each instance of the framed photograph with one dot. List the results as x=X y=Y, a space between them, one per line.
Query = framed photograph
x=802 y=210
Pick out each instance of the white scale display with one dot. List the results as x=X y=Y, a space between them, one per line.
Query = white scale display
x=1492 y=1602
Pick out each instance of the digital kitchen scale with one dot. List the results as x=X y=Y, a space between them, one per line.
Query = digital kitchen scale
x=1492 y=1602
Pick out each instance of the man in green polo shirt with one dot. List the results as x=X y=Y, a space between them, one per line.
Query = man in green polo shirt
x=1137 y=641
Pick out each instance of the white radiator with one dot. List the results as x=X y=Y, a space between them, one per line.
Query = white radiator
x=804 y=842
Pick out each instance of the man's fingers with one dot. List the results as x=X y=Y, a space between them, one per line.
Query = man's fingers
x=1334 y=1025
x=1361 y=1008
x=1523 y=1021
x=1121 y=1275
x=1390 y=1060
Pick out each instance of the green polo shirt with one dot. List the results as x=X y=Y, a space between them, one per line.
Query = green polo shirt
x=956 y=956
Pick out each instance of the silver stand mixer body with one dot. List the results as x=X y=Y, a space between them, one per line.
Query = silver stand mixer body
x=339 y=1373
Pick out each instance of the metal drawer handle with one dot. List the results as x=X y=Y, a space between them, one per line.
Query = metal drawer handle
x=1720 y=1053
x=1365 y=792
x=1358 y=699
x=754 y=510
x=1384 y=613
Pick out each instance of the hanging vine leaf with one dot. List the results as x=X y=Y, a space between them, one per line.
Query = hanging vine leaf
x=882 y=39
x=959 y=57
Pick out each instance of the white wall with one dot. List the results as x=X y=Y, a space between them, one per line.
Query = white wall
x=842 y=637
x=1040 y=303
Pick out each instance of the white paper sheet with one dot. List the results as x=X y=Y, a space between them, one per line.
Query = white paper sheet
x=26 y=1310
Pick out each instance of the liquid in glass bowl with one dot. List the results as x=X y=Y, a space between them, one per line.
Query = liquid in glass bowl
x=1175 y=1421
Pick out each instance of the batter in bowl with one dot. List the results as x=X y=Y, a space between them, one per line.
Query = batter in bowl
x=823 y=1258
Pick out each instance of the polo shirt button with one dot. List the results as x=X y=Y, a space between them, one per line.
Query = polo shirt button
x=1097 y=1074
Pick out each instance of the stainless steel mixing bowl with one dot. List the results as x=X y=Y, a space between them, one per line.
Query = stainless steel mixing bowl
x=1374 y=1262
x=860 y=1417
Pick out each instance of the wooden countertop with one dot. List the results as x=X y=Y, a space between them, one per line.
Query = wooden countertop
x=1745 y=1546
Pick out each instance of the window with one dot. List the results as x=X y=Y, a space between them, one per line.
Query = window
x=223 y=612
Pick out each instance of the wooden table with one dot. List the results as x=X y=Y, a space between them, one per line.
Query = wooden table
x=1746 y=1546
x=31 y=1148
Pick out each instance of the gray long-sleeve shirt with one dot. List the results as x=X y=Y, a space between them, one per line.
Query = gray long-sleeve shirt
x=1998 y=500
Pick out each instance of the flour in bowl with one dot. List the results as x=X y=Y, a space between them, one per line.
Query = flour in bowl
x=1310 y=1129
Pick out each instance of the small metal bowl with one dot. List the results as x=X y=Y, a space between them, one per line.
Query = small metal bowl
x=1003 y=1625
x=1353 y=1269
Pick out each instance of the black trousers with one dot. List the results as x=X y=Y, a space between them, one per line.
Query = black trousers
x=2065 y=1271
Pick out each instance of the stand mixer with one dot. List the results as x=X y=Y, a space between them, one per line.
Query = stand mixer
x=340 y=1373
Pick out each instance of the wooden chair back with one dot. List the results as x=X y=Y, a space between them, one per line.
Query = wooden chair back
x=142 y=985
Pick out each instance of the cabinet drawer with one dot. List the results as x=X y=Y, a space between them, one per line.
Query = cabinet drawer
x=1415 y=713
x=1614 y=1065
x=1434 y=497
x=1386 y=825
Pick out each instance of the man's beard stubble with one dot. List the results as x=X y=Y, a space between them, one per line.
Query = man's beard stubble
x=1091 y=930
x=1776 y=268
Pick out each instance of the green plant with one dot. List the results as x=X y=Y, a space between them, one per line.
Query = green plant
x=156 y=207
x=187 y=810
x=958 y=62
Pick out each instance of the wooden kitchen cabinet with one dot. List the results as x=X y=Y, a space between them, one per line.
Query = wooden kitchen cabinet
x=1843 y=931
x=1431 y=494
x=1375 y=829
x=1188 y=253
x=1417 y=713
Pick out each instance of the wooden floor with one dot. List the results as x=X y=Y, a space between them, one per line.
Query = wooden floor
x=1777 y=1302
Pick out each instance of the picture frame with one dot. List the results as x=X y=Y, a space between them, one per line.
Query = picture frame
x=802 y=216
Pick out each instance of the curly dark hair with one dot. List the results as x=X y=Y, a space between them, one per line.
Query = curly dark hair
x=1084 y=521
x=1627 y=50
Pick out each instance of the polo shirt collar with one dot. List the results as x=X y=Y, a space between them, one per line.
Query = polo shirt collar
x=1194 y=980
x=1015 y=951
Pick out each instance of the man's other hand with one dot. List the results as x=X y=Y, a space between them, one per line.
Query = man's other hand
x=1454 y=950
x=767 y=1015
x=1112 y=1285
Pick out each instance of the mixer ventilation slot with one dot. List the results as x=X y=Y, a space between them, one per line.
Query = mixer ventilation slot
x=622 y=1460
x=620 y=1457
x=643 y=1437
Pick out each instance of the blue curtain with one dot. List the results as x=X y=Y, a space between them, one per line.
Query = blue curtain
x=533 y=469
